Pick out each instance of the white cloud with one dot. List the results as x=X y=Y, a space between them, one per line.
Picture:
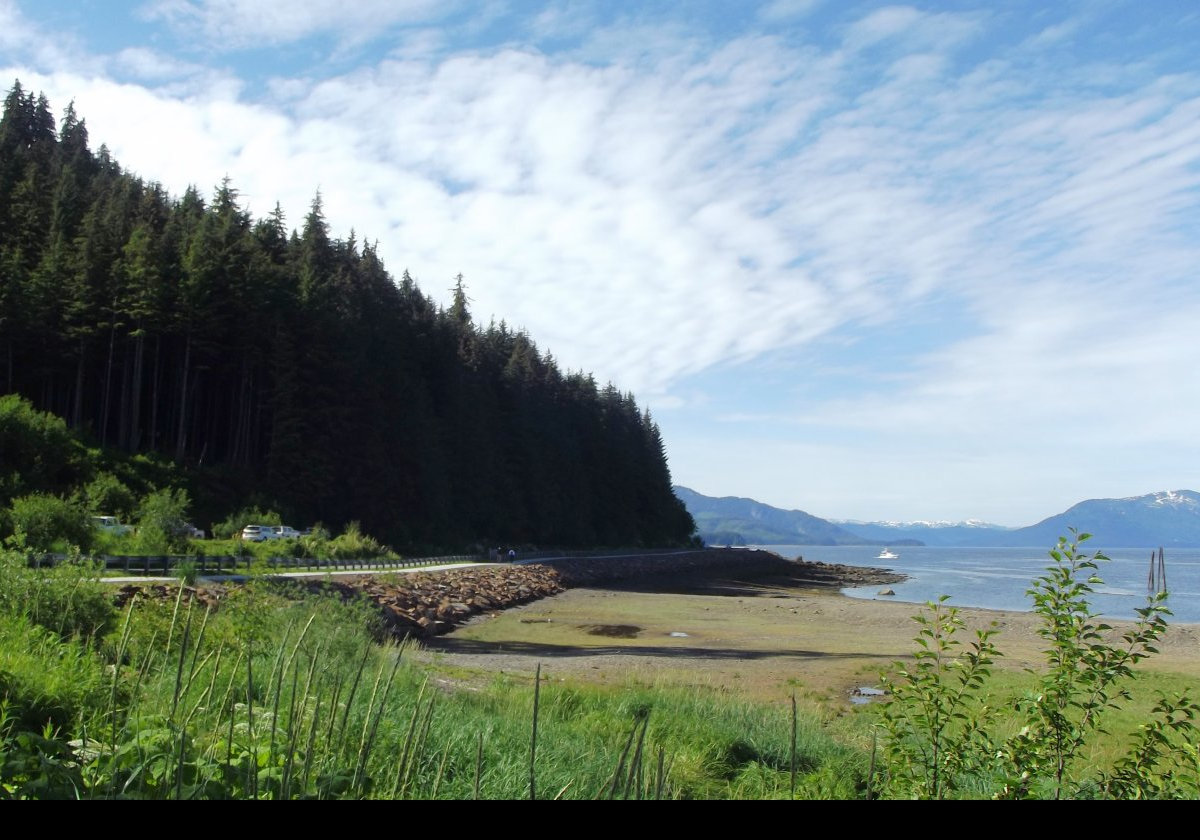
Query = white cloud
x=242 y=23
x=151 y=66
x=911 y=25
x=13 y=28
x=785 y=10
x=735 y=199
x=564 y=20
x=653 y=207
x=22 y=41
x=1055 y=33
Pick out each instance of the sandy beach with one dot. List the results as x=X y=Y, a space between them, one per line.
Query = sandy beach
x=757 y=639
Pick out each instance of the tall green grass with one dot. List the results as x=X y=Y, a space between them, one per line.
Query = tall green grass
x=279 y=695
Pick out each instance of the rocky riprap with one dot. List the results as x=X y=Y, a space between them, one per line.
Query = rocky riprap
x=432 y=603
x=427 y=604
x=207 y=595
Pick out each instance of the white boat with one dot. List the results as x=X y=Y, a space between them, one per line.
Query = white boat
x=886 y=554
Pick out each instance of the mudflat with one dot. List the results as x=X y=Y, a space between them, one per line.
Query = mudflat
x=759 y=639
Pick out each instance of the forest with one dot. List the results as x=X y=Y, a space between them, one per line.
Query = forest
x=289 y=369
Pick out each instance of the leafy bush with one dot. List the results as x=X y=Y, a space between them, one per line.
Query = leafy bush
x=42 y=523
x=38 y=453
x=188 y=572
x=162 y=518
x=936 y=722
x=232 y=526
x=67 y=598
x=942 y=737
x=108 y=495
x=43 y=679
x=353 y=544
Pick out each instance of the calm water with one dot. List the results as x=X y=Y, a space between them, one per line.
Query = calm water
x=997 y=578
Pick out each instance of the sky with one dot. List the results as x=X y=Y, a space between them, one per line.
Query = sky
x=871 y=261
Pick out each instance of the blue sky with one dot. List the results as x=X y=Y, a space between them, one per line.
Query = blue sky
x=873 y=261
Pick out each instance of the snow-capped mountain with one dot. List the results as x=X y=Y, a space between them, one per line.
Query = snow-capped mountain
x=1166 y=518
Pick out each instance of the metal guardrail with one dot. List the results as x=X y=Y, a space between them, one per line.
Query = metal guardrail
x=165 y=565
x=168 y=565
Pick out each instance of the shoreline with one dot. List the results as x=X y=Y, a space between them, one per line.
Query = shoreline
x=756 y=639
x=762 y=630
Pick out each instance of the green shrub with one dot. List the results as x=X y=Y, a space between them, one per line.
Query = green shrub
x=44 y=679
x=67 y=598
x=188 y=572
x=232 y=526
x=353 y=544
x=942 y=737
x=108 y=495
x=42 y=523
x=162 y=517
x=315 y=544
x=38 y=453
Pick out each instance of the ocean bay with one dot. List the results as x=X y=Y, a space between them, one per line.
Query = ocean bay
x=998 y=578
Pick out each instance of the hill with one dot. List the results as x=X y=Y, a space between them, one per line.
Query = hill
x=289 y=369
x=736 y=521
x=1165 y=518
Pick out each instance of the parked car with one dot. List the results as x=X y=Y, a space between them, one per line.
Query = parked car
x=111 y=525
x=283 y=532
x=192 y=531
x=258 y=533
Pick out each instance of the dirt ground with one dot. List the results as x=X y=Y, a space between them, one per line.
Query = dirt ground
x=759 y=640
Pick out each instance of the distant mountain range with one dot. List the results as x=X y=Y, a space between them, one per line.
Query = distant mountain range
x=734 y=521
x=1167 y=518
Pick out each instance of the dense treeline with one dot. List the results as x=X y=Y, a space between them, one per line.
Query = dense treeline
x=290 y=368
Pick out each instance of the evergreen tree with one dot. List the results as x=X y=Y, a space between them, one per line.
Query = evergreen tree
x=289 y=369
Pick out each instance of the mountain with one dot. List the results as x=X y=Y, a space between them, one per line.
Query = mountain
x=970 y=533
x=1166 y=518
x=734 y=521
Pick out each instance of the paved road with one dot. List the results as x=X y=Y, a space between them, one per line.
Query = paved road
x=343 y=573
x=401 y=571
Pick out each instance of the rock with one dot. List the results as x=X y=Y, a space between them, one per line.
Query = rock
x=887 y=592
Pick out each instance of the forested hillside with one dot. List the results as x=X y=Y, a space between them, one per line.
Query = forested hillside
x=287 y=367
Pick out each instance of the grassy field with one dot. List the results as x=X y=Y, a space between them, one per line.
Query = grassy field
x=629 y=693
x=761 y=644
x=280 y=694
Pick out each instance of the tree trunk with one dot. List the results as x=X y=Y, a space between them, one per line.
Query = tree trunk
x=135 y=396
x=77 y=408
x=154 y=397
x=181 y=439
x=112 y=340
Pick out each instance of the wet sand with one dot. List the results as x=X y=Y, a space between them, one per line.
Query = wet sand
x=760 y=639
